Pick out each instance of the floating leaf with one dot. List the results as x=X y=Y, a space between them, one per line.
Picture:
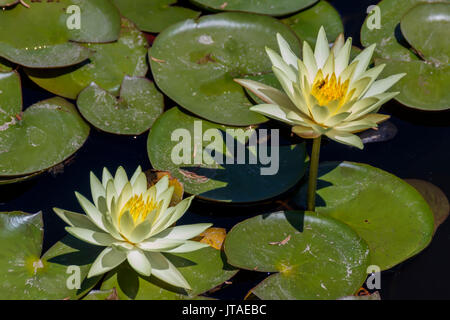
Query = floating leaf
x=389 y=214
x=314 y=257
x=25 y=274
x=435 y=197
x=203 y=269
x=214 y=237
x=194 y=62
x=46 y=134
x=411 y=41
x=7 y=3
x=155 y=15
x=136 y=110
x=108 y=66
x=211 y=171
x=39 y=36
x=306 y=24
x=270 y=7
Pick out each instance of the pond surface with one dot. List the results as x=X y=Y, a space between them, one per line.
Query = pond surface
x=420 y=150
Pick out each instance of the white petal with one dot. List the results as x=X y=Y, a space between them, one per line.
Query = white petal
x=106 y=261
x=184 y=232
x=278 y=62
x=106 y=176
x=120 y=179
x=163 y=269
x=139 y=262
x=162 y=185
x=267 y=93
x=90 y=236
x=159 y=244
x=363 y=61
x=93 y=213
x=310 y=61
x=97 y=189
x=76 y=219
x=140 y=184
x=188 y=246
x=345 y=138
x=273 y=111
x=322 y=50
x=383 y=85
x=343 y=58
x=135 y=175
x=286 y=52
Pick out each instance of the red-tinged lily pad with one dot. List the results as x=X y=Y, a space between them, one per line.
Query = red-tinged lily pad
x=269 y=7
x=213 y=171
x=44 y=135
x=108 y=66
x=26 y=274
x=311 y=256
x=39 y=36
x=194 y=62
x=203 y=269
x=155 y=15
x=136 y=110
x=388 y=213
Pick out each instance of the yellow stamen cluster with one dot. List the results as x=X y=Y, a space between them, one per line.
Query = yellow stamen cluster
x=139 y=207
x=329 y=89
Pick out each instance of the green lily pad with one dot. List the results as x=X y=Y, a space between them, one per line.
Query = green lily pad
x=136 y=110
x=194 y=62
x=25 y=274
x=212 y=178
x=5 y=181
x=155 y=15
x=389 y=214
x=314 y=257
x=435 y=197
x=424 y=86
x=39 y=36
x=269 y=7
x=46 y=134
x=107 y=67
x=425 y=27
x=203 y=269
x=306 y=24
x=7 y=3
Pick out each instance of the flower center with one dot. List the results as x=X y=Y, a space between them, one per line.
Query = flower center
x=139 y=208
x=329 y=89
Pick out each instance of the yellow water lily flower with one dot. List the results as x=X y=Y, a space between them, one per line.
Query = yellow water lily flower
x=134 y=223
x=325 y=94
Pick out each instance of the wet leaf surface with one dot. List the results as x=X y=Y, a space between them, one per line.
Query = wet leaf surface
x=194 y=62
x=389 y=214
x=38 y=36
x=273 y=8
x=155 y=15
x=139 y=105
x=25 y=274
x=44 y=135
x=323 y=258
x=107 y=67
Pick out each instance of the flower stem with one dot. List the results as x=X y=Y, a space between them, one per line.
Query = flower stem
x=313 y=169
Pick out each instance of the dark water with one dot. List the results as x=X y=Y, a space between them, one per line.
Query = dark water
x=420 y=150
